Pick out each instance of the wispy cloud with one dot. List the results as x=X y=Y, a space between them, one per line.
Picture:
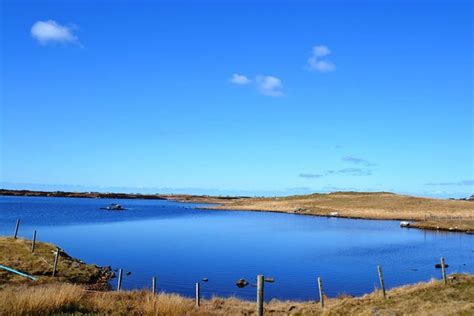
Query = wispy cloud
x=353 y=171
x=462 y=182
x=269 y=85
x=318 y=60
x=310 y=175
x=344 y=171
x=357 y=161
x=239 y=79
x=50 y=31
x=266 y=85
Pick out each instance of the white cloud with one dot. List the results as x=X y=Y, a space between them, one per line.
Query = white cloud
x=269 y=85
x=266 y=85
x=239 y=79
x=51 y=32
x=321 y=51
x=317 y=62
x=320 y=65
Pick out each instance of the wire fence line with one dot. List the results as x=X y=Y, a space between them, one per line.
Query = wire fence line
x=260 y=280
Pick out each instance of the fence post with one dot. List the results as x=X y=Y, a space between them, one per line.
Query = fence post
x=153 y=285
x=33 y=243
x=119 y=282
x=56 y=259
x=321 y=293
x=443 y=271
x=16 y=228
x=260 y=281
x=382 y=283
x=198 y=294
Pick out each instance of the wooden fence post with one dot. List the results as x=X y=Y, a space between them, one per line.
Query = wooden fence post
x=33 y=243
x=16 y=228
x=321 y=292
x=56 y=259
x=198 y=294
x=260 y=281
x=119 y=282
x=382 y=283
x=153 y=285
x=443 y=271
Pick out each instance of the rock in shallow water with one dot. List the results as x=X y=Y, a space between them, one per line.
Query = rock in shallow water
x=242 y=283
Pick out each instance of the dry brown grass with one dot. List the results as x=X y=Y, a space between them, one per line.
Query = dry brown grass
x=434 y=213
x=432 y=298
x=44 y=299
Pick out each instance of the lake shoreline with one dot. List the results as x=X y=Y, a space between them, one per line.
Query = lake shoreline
x=432 y=297
x=16 y=253
x=413 y=224
x=422 y=213
x=66 y=293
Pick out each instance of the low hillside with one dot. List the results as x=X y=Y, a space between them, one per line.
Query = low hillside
x=455 y=215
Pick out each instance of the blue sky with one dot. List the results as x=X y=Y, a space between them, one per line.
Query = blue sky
x=241 y=97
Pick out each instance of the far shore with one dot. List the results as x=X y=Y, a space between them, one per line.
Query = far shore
x=422 y=213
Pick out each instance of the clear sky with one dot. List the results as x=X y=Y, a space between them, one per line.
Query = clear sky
x=238 y=97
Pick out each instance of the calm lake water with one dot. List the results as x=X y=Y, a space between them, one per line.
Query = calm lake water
x=180 y=245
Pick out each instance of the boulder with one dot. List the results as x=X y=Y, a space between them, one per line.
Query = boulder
x=242 y=283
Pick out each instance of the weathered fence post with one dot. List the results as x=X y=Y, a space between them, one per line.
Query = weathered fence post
x=119 y=282
x=260 y=281
x=198 y=294
x=321 y=292
x=443 y=271
x=382 y=283
x=56 y=259
x=33 y=243
x=16 y=228
x=153 y=285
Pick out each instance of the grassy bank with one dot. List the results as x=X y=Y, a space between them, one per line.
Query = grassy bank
x=16 y=254
x=432 y=298
x=437 y=214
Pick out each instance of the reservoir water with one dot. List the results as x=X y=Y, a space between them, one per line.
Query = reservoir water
x=181 y=245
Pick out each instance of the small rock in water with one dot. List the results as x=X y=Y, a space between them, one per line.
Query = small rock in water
x=269 y=280
x=205 y=279
x=128 y=273
x=242 y=283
